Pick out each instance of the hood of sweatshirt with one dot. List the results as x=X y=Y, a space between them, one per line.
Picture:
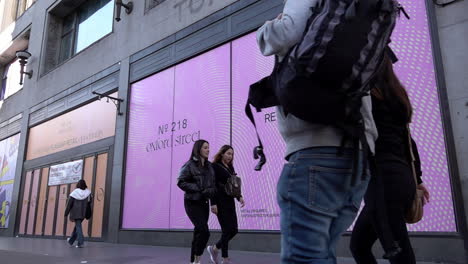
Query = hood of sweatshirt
x=80 y=194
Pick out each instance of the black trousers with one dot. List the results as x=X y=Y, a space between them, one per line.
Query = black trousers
x=198 y=213
x=227 y=218
x=399 y=188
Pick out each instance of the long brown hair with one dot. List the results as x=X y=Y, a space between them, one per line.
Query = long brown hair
x=389 y=88
x=195 y=155
x=218 y=158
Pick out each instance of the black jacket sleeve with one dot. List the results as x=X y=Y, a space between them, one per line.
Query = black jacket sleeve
x=417 y=161
x=210 y=190
x=69 y=205
x=184 y=181
x=217 y=178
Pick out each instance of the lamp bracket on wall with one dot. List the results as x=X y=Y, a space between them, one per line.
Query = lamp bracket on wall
x=119 y=4
x=114 y=100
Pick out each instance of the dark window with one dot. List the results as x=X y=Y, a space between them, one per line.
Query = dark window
x=153 y=3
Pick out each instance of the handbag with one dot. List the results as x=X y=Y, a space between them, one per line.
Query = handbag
x=416 y=212
x=233 y=185
x=89 y=208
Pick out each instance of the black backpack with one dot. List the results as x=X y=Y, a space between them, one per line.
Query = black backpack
x=323 y=78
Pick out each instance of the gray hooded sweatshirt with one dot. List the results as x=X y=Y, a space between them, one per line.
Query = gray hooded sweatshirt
x=276 y=37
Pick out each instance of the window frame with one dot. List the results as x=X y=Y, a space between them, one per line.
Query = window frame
x=74 y=33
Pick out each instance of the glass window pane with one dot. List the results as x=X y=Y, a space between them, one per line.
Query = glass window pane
x=12 y=79
x=65 y=47
x=68 y=24
x=95 y=21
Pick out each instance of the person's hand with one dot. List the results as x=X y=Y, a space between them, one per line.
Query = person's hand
x=242 y=202
x=427 y=195
x=214 y=209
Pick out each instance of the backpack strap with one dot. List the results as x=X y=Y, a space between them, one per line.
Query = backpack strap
x=258 y=150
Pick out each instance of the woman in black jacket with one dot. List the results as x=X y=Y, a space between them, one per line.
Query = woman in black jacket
x=392 y=113
x=225 y=205
x=196 y=179
x=76 y=207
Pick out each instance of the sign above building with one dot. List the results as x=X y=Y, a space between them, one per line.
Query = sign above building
x=89 y=123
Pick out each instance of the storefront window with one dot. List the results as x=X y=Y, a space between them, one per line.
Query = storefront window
x=205 y=97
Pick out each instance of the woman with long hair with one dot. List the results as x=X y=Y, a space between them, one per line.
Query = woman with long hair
x=76 y=207
x=394 y=152
x=225 y=209
x=196 y=179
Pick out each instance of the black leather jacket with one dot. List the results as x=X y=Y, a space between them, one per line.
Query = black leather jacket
x=198 y=183
x=392 y=143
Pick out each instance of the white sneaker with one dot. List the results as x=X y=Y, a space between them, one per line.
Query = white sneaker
x=213 y=254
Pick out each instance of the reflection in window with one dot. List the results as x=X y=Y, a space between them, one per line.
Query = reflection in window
x=94 y=22
x=10 y=80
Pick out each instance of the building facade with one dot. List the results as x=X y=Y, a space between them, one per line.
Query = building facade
x=120 y=103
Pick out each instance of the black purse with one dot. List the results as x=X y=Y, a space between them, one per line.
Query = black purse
x=89 y=208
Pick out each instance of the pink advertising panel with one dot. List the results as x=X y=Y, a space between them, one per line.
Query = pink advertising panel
x=261 y=211
x=202 y=102
x=205 y=98
x=148 y=178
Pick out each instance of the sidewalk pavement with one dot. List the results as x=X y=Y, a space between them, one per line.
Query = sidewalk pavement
x=53 y=251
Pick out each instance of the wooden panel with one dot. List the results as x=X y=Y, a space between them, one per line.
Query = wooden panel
x=99 y=195
x=33 y=202
x=88 y=177
x=41 y=202
x=25 y=203
x=50 y=216
x=70 y=224
x=60 y=219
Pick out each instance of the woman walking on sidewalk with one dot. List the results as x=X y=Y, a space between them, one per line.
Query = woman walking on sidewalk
x=77 y=206
x=196 y=179
x=225 y=207
x=392 y=113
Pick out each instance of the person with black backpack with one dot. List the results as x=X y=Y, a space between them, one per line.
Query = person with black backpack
x=79 y=206
x=228 y=188
x=196 y=179
x=327 y=53
x=398 y=163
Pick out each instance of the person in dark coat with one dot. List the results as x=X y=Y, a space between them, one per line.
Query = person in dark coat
x=196 y=179
x=392 y=113
x=225 y=206
x=76 y=208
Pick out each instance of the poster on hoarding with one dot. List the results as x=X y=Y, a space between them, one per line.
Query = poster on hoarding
x=66 y=173
x=8 y=158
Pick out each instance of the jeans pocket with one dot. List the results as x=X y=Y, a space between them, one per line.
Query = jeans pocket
x=283 y=187
x=328 y=187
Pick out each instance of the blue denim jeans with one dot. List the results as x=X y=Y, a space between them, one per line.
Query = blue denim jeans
x=77 y=233
x=318 y=203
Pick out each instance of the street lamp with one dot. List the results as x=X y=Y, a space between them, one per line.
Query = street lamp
x=23 y=57
x=119 y=4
